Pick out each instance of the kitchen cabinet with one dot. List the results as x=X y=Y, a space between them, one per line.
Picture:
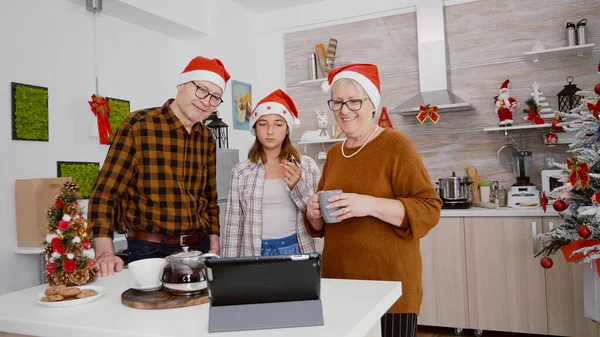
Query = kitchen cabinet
x=479 y=272
x=564 y=295
x=444 y=275
x=506 y=285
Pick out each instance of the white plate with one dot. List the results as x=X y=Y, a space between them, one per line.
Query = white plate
x=148 y=288
x=100 y=290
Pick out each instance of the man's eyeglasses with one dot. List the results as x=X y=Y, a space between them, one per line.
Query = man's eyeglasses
x=202 y=93
x=352 y=104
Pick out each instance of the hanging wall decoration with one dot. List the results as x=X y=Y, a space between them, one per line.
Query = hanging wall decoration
x=384 y=120
x=29 y=112
x=101 y=109
x=427 y=111
x=119 y=110
x=82 y=173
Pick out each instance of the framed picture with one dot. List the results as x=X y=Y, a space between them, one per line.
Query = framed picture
x=241 y=97
x=83 y=173
x=29 y=112
x=119 y=110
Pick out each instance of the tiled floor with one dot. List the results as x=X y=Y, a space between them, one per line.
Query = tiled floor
x=425 y=331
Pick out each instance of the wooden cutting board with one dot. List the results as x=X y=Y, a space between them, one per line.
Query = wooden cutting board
x=160 y=299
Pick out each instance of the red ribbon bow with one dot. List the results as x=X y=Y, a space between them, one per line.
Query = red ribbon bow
x=595 y=109
x=100 y=108
x=579 y=171
x=534 y=115
x=568 y=249
x=426 y=111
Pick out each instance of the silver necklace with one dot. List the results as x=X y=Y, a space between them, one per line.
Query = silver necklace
x=368 y=140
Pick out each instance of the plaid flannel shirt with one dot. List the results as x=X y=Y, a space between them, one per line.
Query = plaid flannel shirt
x=157 y=178
x=242 y=232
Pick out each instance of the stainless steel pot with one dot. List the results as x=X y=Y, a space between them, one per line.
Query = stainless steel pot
x=455 y=188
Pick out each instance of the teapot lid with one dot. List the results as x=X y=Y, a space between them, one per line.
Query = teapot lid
x=185 y=253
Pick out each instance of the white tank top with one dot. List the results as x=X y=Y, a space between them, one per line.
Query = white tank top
x=278 y=210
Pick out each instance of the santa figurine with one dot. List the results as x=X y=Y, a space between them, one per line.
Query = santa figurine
x=505 y=105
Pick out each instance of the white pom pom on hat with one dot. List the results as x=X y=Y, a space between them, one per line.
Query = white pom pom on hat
x=367 y=75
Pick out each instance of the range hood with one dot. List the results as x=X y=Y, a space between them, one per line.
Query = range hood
x=432 y=63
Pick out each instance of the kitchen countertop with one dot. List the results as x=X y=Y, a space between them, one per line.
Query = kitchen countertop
x=346 y=312
x=502 y=211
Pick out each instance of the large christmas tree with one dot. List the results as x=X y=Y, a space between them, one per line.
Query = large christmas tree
x=578 y=200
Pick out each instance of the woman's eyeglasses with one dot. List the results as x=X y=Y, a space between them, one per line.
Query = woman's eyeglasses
x=352 y=104
x=202 y=93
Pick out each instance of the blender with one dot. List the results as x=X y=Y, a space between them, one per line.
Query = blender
x=523 y=193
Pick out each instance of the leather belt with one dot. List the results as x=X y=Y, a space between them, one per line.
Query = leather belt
x=183 y=240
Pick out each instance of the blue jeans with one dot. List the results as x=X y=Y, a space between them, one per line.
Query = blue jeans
x=139 y=250
x=284 y=246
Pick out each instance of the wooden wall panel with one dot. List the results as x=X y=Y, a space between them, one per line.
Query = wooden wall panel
x=486 y=40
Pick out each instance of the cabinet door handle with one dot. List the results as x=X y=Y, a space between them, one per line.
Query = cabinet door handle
x=534 y=228
x=551 y=225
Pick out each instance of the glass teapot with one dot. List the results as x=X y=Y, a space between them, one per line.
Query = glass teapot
x=184 y=272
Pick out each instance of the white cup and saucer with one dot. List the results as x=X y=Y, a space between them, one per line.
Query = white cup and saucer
x=147 y=273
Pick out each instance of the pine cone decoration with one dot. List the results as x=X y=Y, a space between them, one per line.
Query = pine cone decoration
x=78 y=225
x=58 y=279
x=70 y=190
x=71 y=209
x=75 y=249
x=79 y=277
x=93 y=274
x=71 y=186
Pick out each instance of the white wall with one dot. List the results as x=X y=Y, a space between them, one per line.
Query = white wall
x=233 y=41
x=51 y=44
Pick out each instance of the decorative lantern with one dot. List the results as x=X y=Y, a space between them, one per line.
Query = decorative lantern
x=219 y=130
x=568 y=98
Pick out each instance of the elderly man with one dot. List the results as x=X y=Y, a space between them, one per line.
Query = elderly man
x=159 y=178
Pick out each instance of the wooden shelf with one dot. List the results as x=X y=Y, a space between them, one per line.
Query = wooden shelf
x=518 y=127
x=578 y=50
x=316 y=82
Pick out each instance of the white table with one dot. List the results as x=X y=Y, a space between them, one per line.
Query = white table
x=350 y=308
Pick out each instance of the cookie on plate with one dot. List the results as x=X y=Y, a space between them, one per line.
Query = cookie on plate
x=52 y=298
x=53 y=290
x=87 y=293
x=69 y=291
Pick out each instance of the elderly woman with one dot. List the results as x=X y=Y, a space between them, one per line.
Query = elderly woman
x=268 y=191
x=388 y=202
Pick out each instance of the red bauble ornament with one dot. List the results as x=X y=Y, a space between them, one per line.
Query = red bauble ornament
x=555 y=126
x=546 y=262
x=597 y=89
x=584 y=231
x=559 y=205
x=551 y=139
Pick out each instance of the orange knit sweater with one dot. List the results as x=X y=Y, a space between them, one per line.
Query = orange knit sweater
x=367 y=248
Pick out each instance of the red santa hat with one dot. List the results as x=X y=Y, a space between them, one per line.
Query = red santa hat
x=203 y=69
x=505 y=84
x=278 y=103
x=366 y=75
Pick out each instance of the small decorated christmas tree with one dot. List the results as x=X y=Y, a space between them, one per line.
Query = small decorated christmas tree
x=69 y=245
x=578 y=200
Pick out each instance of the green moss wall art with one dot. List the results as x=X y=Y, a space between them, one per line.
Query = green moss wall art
x=29 y=112
x=119 y=109
x=83 y=173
